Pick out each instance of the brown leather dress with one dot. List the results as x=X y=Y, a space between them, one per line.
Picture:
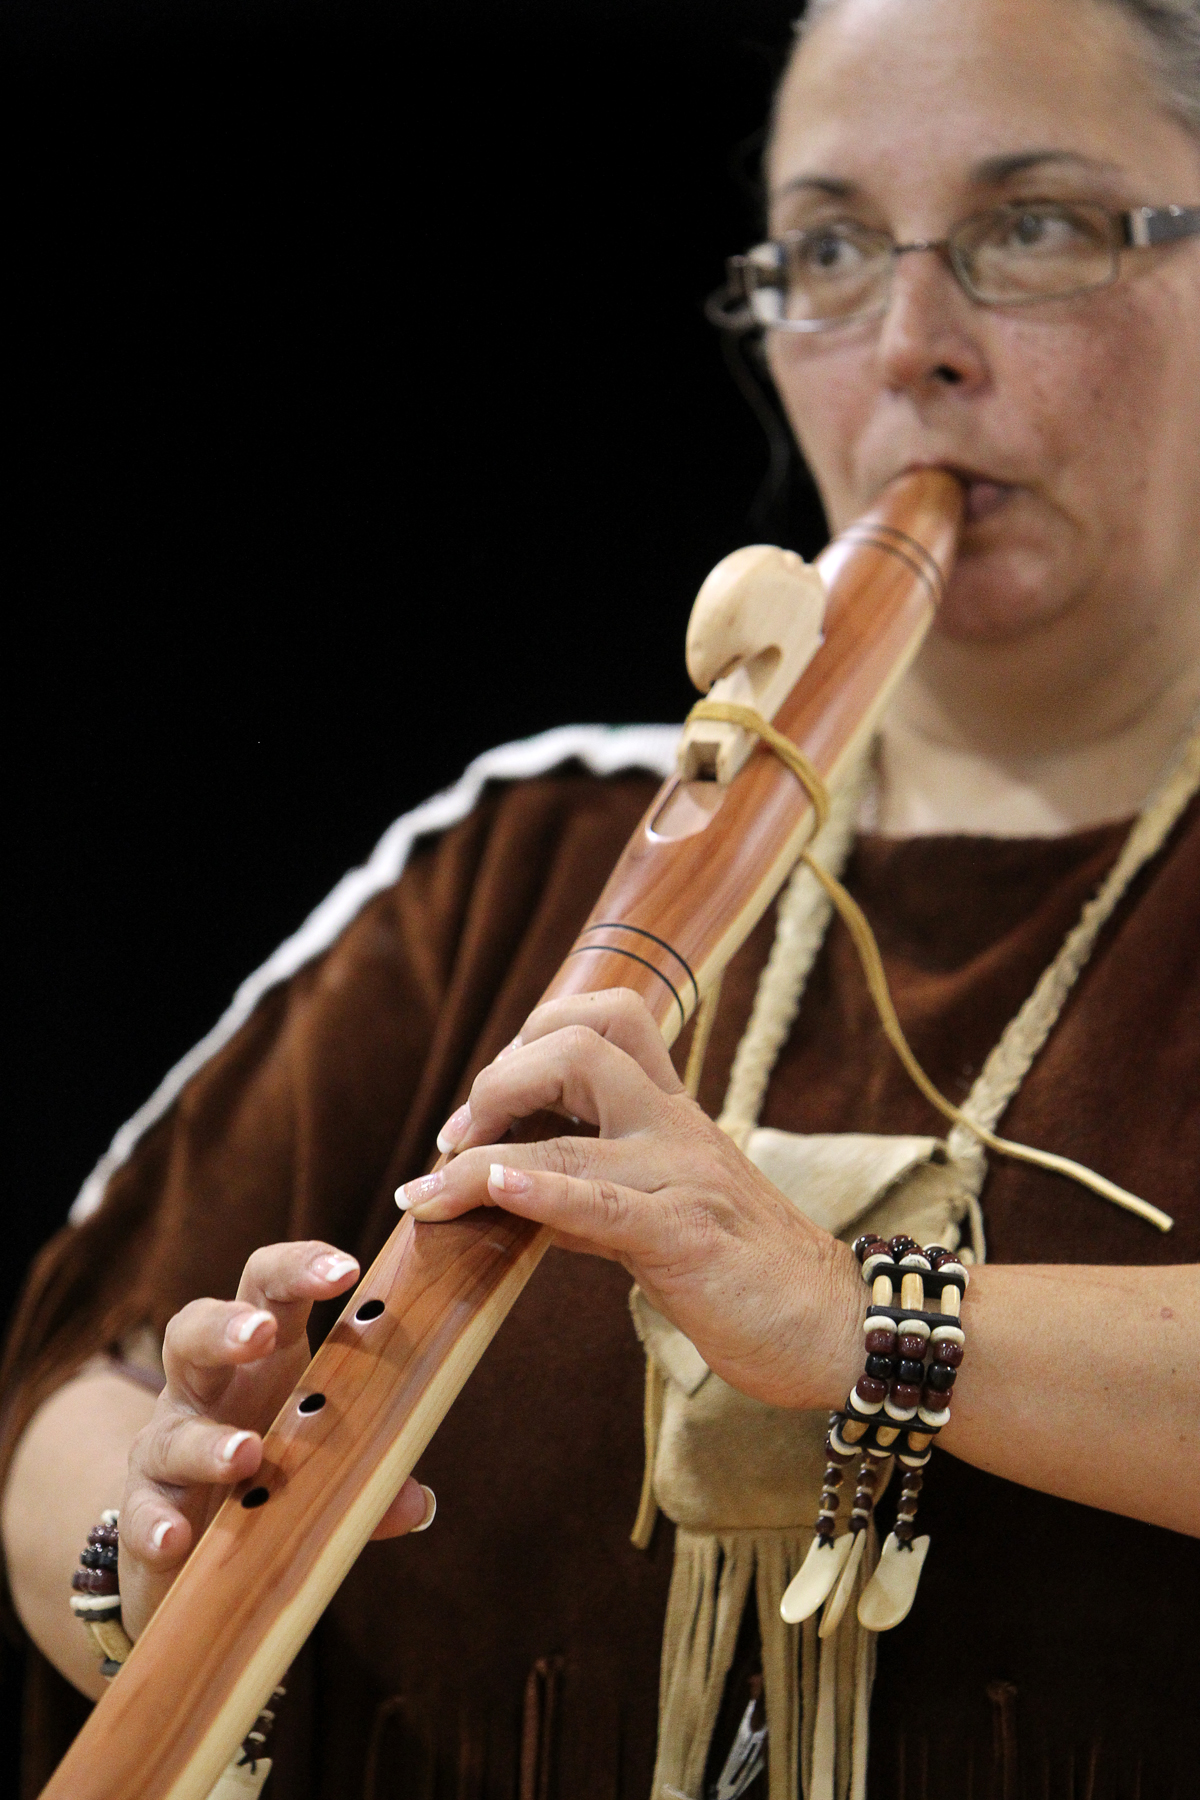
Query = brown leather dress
x=512 y=1653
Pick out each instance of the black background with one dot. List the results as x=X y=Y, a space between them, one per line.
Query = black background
x=361 y=414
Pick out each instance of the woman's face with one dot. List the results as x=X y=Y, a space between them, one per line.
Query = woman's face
x=1078 y=421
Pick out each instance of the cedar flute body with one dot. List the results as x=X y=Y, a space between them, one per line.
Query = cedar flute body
x=701 y=869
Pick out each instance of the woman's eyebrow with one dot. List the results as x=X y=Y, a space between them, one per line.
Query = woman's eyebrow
x=991 y=172
x=995 y=169
x=816 y=184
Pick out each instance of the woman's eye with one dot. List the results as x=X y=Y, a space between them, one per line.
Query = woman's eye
x=1044 y=231
x=829 y=252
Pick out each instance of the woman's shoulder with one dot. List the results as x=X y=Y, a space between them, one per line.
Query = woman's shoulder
x=546 y=812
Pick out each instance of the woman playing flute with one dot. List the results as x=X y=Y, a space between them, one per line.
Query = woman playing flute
x=982 y=255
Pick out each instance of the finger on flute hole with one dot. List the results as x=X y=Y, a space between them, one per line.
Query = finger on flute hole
x=413 y=1510
x=504 y=1181
x=244 y=1328
x=455 y=1129
x=334 y=1267
x=228 y=1451
x=414 y=1196
x=162 y=1544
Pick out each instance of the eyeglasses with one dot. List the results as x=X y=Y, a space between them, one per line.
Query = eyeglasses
x=841 y=272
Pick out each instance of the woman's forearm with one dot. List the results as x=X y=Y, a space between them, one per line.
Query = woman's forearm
x=69 y=1465
x=1081 y=1381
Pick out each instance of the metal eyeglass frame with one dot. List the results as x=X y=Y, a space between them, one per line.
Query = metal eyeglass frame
x=1141 y=228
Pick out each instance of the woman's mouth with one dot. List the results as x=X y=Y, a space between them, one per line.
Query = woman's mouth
x=984 y=498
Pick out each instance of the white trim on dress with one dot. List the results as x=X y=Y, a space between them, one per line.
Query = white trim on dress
x=602 y=749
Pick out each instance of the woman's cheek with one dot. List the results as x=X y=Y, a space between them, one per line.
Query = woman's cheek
x=830 y=399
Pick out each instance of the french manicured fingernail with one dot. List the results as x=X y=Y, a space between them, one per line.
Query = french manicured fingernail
x=158 y=1536
x=430 y=1509
x=232 y=1444
x=505 y=1180
x=415 y=1193
x=455 y=1129
x=242 y=1330
x=332 y=1268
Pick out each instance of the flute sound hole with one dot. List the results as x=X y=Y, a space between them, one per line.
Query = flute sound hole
x=256 y=1497
x=370 y=1309
x=312 y=1403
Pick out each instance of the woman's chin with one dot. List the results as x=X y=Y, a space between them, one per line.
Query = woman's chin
x=994 y=597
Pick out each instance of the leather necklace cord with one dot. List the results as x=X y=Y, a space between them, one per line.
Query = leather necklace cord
x=863 y=939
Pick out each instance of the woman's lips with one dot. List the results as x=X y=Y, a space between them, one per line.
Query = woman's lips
x=984 y=498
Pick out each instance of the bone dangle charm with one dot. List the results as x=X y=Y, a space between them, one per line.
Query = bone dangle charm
x=888 y=1596
x=817 y=1576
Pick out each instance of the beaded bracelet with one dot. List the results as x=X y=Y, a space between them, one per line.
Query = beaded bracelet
x=96 y=1603
x=95 y=1600
x=894 y=1411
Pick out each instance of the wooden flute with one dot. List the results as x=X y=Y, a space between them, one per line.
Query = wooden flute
x=701 y=869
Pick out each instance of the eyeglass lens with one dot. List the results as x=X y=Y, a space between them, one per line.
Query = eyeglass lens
x=842 y=270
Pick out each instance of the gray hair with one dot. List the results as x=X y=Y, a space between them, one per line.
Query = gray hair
x=1172 y=32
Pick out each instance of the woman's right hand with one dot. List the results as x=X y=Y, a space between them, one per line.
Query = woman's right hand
x=230 y=1365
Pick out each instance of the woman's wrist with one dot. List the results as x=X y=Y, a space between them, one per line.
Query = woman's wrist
x=829 y=1336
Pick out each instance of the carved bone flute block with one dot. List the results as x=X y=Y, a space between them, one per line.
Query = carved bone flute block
x=754 y=629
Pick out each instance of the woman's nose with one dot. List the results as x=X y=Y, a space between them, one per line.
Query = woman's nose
x=929 y=339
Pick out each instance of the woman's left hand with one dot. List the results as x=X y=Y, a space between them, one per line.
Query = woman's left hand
x=773 y=1303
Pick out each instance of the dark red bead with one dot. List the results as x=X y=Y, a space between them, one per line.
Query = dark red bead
x=912 y=1483
x=883 y=1368
x=906 y=1394
x=870 y=1390
x=947 y=1352
x=905 y=1530
x=826 y=1527
x=94 y=1581
x=911 y=1344
x=865 y=1245
x=934 y=1402
x=936 y=1251
x=880 y=1343
x=941 y=1378
x=900 y=1246
x=859 y=1523
x=833 y=1475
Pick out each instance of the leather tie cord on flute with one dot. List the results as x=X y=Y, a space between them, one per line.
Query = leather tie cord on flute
x=863 y=938
x=817 y=653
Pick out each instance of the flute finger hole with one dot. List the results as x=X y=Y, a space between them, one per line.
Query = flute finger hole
x=370 y=1309
x=312 y=1403
x=256 y=1497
